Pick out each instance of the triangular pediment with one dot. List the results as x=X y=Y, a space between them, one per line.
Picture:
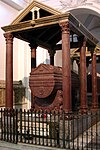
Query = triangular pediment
x=34 y=11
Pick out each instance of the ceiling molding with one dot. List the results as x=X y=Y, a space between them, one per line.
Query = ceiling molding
x=18 y=5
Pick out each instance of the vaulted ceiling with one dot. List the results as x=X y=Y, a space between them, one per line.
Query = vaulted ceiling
x=90 y=19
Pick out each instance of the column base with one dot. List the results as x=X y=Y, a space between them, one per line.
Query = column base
x=83 y=110
x=94 y=108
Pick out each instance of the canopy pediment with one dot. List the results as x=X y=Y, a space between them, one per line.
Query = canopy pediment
x=44 y=28
x=30 y=13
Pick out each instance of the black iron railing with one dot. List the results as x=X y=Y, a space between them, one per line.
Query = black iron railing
x=9 y=125
x=54 y=129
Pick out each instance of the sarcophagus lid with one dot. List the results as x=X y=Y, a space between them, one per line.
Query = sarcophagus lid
x=45 y=79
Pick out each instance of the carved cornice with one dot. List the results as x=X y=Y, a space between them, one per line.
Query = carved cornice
x=17 y=27
x=75 y=25
x=49 y=20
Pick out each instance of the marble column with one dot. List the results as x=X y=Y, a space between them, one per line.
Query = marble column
x=66 y=66
x=94 y=83
x=9 y=70
x=83 y=77
x=33 y=55
x=52 y=53
x=33 y=65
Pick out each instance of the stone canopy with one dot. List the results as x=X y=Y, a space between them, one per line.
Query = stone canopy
x=40 y=25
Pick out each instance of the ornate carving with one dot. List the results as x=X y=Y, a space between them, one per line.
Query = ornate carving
x=72 y=3
x=46 y=86
x=44 y=80
x=55 y=105
x=65 y=26
x=8 y=38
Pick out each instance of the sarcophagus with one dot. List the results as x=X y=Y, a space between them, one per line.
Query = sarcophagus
x=45 y=79
x=46 y=86
x=44 y=82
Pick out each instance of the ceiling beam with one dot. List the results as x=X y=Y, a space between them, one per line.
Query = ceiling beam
x=53 y=35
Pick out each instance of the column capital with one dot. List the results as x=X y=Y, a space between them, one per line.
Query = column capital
x=8 y=37
x=82 y=41
x=93 y=53
x=65 y=26
x=51 y=52
x=92 y=50
x=33 y=45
